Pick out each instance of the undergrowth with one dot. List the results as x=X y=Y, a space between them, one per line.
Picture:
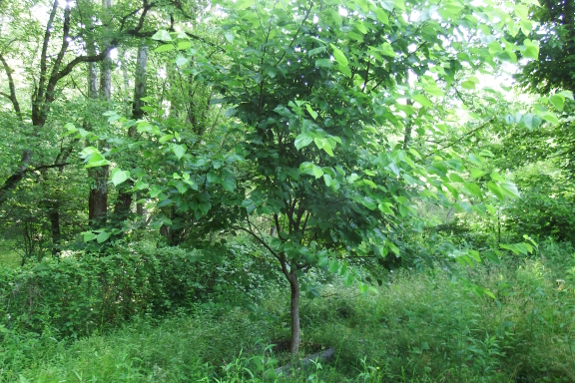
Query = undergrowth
x=420 y=327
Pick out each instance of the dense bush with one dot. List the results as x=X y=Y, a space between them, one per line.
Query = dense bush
x=83 y=293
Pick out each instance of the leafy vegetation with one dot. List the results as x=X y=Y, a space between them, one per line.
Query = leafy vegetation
x=209 y=191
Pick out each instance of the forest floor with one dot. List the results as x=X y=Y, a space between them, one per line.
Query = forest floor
x=419 y=327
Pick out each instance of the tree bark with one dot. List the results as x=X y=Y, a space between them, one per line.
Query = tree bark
x=98 y=196
x=54 y=217
x=140 y=83
x=124 y=201
x=294 y=312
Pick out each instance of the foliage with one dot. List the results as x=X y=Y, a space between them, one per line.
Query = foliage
x=419 y=328
x=554 y=68
x=88 y=293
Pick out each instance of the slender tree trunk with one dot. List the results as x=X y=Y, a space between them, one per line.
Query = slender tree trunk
x=124 y=202
x=408 y=127
x=54 y=217
x=98 y=197
x=294 y=312
x=140 y=83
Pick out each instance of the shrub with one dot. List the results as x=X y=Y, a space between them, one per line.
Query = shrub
x=80 y=295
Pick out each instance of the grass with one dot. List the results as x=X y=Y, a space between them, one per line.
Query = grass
x=419 y=328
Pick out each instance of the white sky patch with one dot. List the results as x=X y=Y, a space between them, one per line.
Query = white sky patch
x=343 y=12
x=414 y=15
x=113 y=54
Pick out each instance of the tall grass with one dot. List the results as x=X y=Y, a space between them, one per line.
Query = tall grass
x=418 y=328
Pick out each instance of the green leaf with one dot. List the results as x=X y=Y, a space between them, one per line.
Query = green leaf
x=495 y=190
x=567 y=94
x=551 y=117
x=509 y=189
x=488 y=293
x=165 y=48
x=103 y=236
x=183 y=45
x=422 y=100
x=205 y=207
x=93 y=157
x=179 y=150
x=89 y=236
x=382 y=16
x=181 y=61
x=531 y=50
x=317 y=171
x=468 y=84
x=455 y=177
x=557 y=100
x=339 y=56
x=302 y=140
x=119 y=176
x=162 y=35
x=312 y=112
x=476 y=173
x=141 y=185
x=434 y=90
x=473 y=189
x=166 y=138
x=229 y=184
x=362 y=4
x=407 y=109
x=244 y=4
x=387 y=5
x=323 y=63
x=387 y=50
x=155 y=191
x=522 y=12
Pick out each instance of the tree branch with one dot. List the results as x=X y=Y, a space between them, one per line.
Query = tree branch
x=16 y=177
x=458 y=140
x=12 y=97
x=56 y=67
x=260 y=240
x=296 y=34
x=44 y=56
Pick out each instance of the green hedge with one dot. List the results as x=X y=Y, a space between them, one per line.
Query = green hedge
x=80 y=295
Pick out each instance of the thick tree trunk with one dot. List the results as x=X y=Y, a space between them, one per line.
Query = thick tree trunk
x=294 y=312
x=98 y=198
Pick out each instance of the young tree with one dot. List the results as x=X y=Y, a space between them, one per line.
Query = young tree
x=318 y=90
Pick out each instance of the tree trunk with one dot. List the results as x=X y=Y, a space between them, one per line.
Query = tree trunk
x=98 y=198
x=140 y=83
x=294 y=311
x=124 y=201
x=54 y=216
